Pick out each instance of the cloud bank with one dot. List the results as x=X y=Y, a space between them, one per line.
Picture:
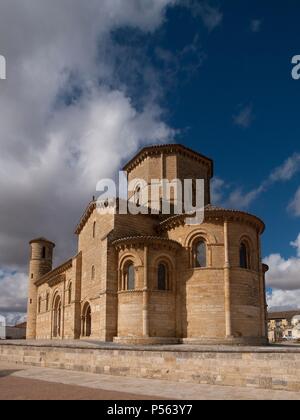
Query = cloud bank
x=284 y=279
x=67 y=119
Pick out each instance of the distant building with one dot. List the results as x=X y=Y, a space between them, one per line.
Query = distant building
x=18 y=332
x=22 y=325
x=284 y=326
x=2 y=328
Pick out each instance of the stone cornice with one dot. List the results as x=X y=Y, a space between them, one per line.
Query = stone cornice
x=168 y=148
x=213 y=214
x=93 y=205
x=142 y=241
x=52 y=275
x=53 y=281
x=85 y=217
x=42 y=240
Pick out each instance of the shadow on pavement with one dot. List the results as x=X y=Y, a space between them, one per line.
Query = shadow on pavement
x=5 y=373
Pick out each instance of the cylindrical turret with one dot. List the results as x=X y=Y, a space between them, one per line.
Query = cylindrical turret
x=40 y=264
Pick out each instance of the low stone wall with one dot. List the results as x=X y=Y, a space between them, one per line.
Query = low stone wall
x=267 y=368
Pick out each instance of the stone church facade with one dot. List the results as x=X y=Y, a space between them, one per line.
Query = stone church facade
x=154 y=279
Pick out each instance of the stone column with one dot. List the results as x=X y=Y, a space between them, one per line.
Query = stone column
x=265 y=321
x=120 y=281
x=63 y=312
x=146 y=332
x=82 y=333
x=52 y=315
x=228 y=319
x=261 y=290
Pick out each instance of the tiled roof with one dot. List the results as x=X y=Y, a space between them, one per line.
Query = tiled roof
x=41 y=240
x=219 y=211
x=88 y=211
x=155 y=149
x=283 y=315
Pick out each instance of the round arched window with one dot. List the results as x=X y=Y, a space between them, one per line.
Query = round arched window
x=70 y=294
x=162 y=277
x=244 y=256
x=130 y=276
x=200 y=254
x=47 y=302
x=40 y=305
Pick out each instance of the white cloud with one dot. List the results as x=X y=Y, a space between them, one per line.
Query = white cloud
x=53 y=153
x=211 y=16
x=184 y=62
x=294 y=206
x=287 y=170
x=284 y=274
x=51 y=158
x=296 y=244
x=244 y=117
x=283 y=300
x=218 y=188
x=239 y=199
x=255 y=25
x=13 y=294
x=14 y=318
x=243 y=199
x=283 y=279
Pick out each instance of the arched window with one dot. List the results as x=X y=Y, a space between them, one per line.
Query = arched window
x=47 y=302
x=162 y=277
x=44 y=252
x=244 y=256
x=93 y=275
x=86 y=321
x=94 y=229
x=199 y=254
x=70 y=294
x=57 y=317
x=130 y=276
x=40 y=305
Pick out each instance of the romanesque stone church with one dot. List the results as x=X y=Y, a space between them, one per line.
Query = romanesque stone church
x=154 y=279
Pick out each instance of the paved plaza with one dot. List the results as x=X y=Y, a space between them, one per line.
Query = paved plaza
x=31 y=383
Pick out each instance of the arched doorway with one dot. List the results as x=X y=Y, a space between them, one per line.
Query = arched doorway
x=86 y=321
x=57 y=317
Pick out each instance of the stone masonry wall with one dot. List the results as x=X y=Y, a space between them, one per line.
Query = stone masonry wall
x=277 y=369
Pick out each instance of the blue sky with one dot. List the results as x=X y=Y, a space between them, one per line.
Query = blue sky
x=85 y=90
x=241 y=69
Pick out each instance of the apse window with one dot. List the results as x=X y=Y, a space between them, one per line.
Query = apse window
x=244 y=256
x=130 y=277
x=200 y=256
x=162 y=277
